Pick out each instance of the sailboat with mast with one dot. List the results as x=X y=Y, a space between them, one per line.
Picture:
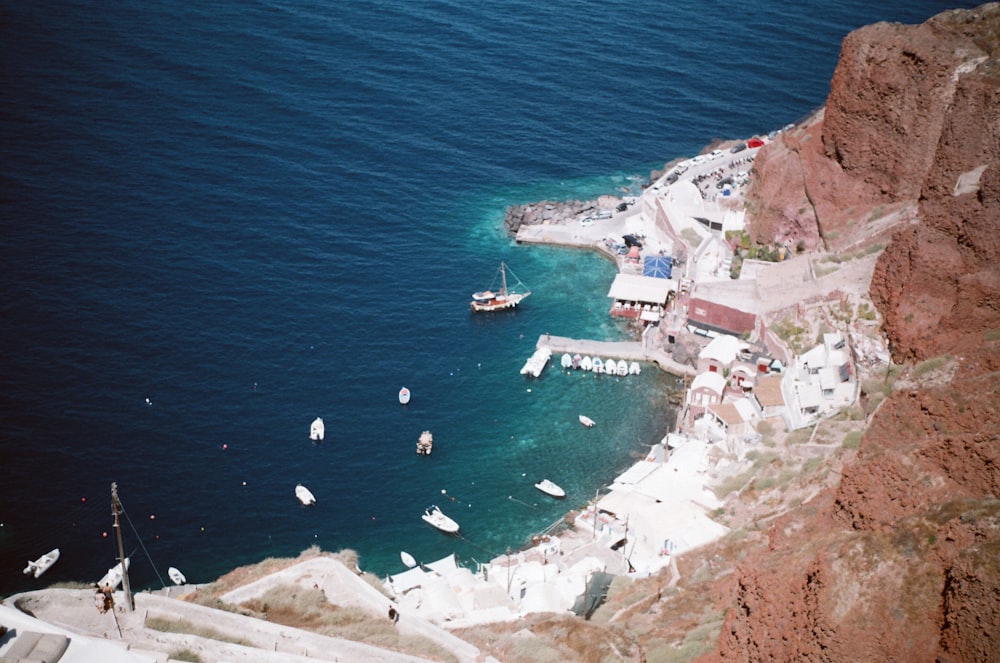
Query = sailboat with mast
x=504 y=297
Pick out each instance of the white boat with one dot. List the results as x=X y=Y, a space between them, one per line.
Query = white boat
x=317 y=430
x=549 y=488
x=597 y=365
x=610 y=367
x=42 y=564
x=586 y=363
x=633 y=368
x=586 y=421
x=404 y=395
x=408 y=559
x=113 y=577
x=176 y=576
x=434 y=516
x=622 y=367
x=425 y=443
x=304 y=495
x=536 y=362
x=576 y=361
x=504 y=297
x=566 y=360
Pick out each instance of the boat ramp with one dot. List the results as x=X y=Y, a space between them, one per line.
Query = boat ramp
x=627 y=350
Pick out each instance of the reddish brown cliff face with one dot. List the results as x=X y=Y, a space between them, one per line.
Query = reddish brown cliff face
x=902 y=560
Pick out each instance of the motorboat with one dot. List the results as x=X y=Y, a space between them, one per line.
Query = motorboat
x=597 y=365
x=43 y=563
x=404 y=395
x=176 y=576
x=113 y=577
x=586 y=363
x=503 y=297
x=407 y=559
x=633 y=368
x=550 y=488
x=586 y=421
x=305 y=495
x=434 y=516
x=566 y=360
x=317 y=430
x=622 y=367
x=425 y=443
x=575 y=363
x=610 y=367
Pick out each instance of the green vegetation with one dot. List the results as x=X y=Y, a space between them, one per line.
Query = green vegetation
x=185 y=655
x=852 y=440
x=992 y=334
x=792 y=334
x=929 y=366
x=876 y=214
x=698 y=641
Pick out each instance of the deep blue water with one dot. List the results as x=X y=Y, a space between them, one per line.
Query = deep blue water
x=257 y=213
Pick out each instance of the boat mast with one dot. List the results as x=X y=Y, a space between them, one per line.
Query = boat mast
x=503 y=278
x=116 y=509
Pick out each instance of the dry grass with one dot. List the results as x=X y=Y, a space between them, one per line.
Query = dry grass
x=309 y=609
x=190 y=628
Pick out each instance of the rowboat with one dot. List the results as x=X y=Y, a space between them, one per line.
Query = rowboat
x=176 y=576
x=404 y=395
x=113 y=577
x=305 y=495
x=317 y=430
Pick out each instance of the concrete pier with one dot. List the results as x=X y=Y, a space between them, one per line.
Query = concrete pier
x=627 y=350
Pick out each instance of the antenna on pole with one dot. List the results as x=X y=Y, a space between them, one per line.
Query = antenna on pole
x=116 y=509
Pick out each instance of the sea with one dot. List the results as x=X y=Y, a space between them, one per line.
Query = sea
x=219 y=221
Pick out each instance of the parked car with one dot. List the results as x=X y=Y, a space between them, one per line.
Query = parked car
x=755 y=142
x=738 y=147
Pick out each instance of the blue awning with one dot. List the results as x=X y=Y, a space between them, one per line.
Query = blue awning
x=658 y=267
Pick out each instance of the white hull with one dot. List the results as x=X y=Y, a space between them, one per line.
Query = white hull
x=433 y=516
x=490 y=300
x=43 y=563
x=305 y=495
x=550 y=488
x=176 y=576
x=317 y=431
x=404 y=395
x=407 y=559
x=113 y=577
x=586 y=421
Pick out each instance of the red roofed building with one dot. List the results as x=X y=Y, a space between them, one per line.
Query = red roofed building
x=708 y=317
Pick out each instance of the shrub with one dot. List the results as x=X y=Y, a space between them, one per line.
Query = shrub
x=185 y=655
x=852 y=440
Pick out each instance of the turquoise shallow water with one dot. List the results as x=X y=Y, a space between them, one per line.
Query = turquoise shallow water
x=254 y=214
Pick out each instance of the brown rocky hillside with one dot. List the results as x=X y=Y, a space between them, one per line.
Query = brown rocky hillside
x=901 y=560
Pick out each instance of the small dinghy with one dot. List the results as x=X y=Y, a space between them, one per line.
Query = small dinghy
x=586 y=421
x=408 y=560
x=633 y=368
x=317 y=430
x=404 y=395
x=43 y=563
x=113 y=577
x=622 y=367
x=550 y=488
x=586 y=363
x=176 y=576
x=610 y=367
x=566 y=361
x=597 y=365
x=304 y=495
x=434 y=516
x=576 y=361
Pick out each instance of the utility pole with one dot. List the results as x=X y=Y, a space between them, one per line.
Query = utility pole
x=116 y=509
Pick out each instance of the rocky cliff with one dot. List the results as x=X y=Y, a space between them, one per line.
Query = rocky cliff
x=901 y=561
